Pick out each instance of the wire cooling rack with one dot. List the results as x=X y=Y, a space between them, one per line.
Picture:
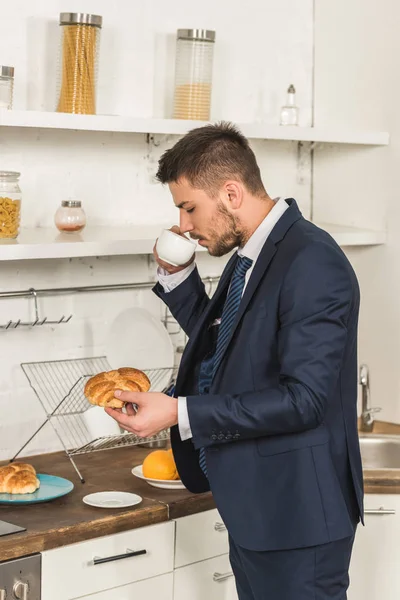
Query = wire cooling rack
x=59 y=386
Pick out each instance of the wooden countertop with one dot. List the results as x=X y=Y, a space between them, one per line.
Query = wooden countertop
x=68 y=520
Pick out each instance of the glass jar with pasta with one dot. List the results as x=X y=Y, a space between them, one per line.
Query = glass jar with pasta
x=10 y=204
x=78 y=64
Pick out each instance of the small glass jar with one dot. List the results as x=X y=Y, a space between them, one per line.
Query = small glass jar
x=70 y=217
x=6 y=86
x=10 y=204
x=193 y=74
x=78 y=63
x=290 y=112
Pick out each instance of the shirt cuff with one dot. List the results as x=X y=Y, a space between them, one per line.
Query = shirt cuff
x=183 y=419
x=170 y=282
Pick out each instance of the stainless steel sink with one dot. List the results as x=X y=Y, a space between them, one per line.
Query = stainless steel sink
x=380 y=451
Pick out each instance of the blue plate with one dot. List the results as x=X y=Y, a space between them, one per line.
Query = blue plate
x=50 y=487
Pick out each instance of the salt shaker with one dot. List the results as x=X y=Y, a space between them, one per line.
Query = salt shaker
x=70 y=216
x=290 y=112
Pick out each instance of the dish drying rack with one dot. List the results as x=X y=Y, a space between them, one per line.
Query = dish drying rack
x=59 y=386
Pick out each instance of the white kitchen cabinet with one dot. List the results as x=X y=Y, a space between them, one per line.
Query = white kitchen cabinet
x=107 y=562
x=374 y=568
x=156 y=588
x=199 y=537
x=210 y=579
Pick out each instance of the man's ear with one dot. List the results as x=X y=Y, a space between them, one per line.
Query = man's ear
x=234 y=194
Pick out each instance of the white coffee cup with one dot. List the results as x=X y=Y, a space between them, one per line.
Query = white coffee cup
x=99 y=423
x=174 y=249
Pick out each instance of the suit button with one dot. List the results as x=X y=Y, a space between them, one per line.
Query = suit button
x=214 y=437
x=221 y=436
x=228 y=436
x=236 y=436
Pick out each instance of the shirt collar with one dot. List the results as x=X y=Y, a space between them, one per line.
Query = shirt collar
x=254 y=244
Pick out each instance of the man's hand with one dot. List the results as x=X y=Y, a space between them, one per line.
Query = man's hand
x=155 y=412
x=170 y=268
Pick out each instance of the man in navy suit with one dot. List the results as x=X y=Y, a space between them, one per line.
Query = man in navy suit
x=264 y=412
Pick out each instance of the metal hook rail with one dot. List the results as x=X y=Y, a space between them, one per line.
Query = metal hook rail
x=35 y=293
x=38 y=321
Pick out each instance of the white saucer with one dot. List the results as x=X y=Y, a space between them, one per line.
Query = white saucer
x=166 y=484
x=112 y=499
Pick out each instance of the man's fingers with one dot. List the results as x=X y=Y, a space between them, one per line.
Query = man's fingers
x=176 y=229
x=130 y=410
x=121 y=418
x=129 y=397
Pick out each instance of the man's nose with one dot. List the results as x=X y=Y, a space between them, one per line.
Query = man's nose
x=185 y=224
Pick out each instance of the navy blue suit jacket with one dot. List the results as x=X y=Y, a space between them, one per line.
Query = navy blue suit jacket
x=279 y=426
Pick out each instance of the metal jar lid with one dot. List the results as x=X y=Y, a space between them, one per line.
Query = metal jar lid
x=80 y=19
x=6 y=71
x=9 y=175
x=71 y=203
x=200 y=35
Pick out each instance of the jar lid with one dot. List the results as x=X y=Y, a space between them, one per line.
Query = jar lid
x=9 y=175
x=71 y=203
x=80 y=19
x=6 y=71
x=201 y=35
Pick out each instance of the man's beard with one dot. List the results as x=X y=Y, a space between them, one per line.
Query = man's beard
x=227 y=233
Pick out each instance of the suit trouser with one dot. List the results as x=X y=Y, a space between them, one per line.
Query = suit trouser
x=315 y=573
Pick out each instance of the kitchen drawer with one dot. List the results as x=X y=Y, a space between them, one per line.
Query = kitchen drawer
x=156 y=588
x=70 y=571
x=211 y=579
x=199 y=537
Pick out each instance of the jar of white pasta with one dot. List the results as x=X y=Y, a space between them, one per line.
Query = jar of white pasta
x=10 y=204
x=193 y=74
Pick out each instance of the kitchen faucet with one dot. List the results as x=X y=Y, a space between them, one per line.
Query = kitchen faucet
x=367 y=411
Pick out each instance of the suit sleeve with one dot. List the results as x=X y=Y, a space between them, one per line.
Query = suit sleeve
x=317 y=297
x=186 y=302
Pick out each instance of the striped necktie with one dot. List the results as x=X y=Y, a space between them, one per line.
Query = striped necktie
x=231 y=306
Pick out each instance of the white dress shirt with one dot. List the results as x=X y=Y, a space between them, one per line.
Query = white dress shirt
x=251 y=250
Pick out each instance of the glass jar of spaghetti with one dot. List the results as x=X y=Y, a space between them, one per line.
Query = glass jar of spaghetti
x=10 y=204
x=78 y=64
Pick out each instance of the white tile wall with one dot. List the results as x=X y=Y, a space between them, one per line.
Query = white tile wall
x=262 y=46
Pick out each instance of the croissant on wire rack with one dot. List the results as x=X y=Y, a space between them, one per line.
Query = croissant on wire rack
x=99 y=390
x=18 y=478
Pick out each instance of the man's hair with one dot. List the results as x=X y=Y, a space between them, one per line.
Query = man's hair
x=210 y=155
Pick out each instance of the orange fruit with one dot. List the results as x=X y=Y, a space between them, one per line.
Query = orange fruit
x=160 y=464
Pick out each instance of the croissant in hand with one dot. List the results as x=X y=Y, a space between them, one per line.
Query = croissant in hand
x=99 y=390
x=18 y=478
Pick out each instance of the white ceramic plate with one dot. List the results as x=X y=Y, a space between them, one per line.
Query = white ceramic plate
x=137 y=339
x=112 y=499
x=166 y=484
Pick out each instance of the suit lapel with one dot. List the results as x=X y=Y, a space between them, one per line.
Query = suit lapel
x=258 y=273
x=267 y=253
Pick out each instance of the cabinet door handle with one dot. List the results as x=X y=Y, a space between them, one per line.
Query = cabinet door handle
x=379 y=511
x=219 y=526
x=222 y=576
x=97 y=560
x=21 y=590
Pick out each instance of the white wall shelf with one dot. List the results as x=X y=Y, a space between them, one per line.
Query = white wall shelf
x=126 y=124
x=47 y=243
x=352 y=236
